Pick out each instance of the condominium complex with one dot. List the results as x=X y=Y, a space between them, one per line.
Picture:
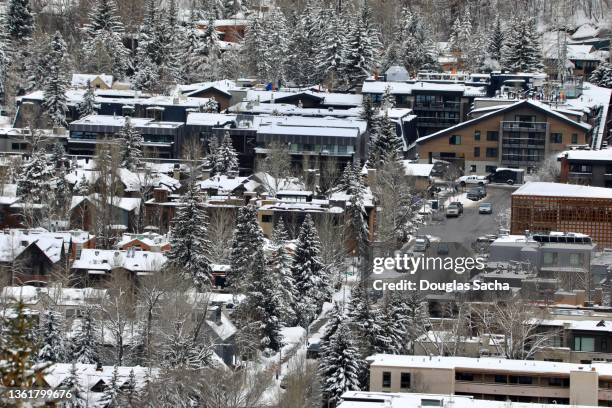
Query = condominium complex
x=494 y=379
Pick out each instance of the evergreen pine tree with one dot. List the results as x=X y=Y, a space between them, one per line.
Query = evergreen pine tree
x=19 y=19
x=226 y=158
x=340 y=365
x=56 y=84
x=85 y=342
x=305 y=38
x=146 y=77
x=78 y=396
x=245 y=256
x=602 y=75
x=52 y=344
x=131 y=146
x=110 y=396
x=5 y=55
x=280 y=264
x=103 y=45
x=311 y=281
x=367 y=321
x=280 y=235
x=335 y=319
x=394 y=323
x=82 y=188
x=17 y=349
x=356 y=227
x=264 y=300
x=211 y=154
x=34 y=175
x=190 y=248
x=369 y=111
x=88 y=105
x=329 y=58
x=385 y=143
x=521 y=51
x=411 y=44
x=496 y=40
x=128 y=395
x=209 y=41
x=362 y=49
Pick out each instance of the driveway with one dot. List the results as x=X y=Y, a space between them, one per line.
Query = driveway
x=469 y=226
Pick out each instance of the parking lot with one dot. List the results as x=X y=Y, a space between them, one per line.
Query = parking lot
x=469 y=226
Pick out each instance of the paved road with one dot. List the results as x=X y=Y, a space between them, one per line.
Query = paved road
x=469 y=226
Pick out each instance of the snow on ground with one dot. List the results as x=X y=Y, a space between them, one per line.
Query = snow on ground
x=462 y=198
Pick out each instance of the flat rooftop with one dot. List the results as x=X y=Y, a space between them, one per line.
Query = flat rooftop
x=498 y=365
x=543 y=189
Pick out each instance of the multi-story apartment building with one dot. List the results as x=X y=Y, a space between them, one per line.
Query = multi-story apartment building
x=588 y=167
x=494 y=379
x=369 y=399
x=161 y=139
x=436 y=105
x=543 y=207
x=519 y=135
x=561 y=258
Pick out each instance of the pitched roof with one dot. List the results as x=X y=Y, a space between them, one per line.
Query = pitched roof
x=505 y=108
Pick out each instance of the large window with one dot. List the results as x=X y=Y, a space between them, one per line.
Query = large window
x=556 y=138
x=576 y=259
x=492 y=135
x=491 y=152
x=582 y=343
x=477 y=152
x=574 y=138
x=454 y=140
x=550 y=258
x=405 y=380
x=386 y=379
x=477 y=135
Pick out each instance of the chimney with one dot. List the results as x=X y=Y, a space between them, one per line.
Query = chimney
x=99 y=366
x=218 y=315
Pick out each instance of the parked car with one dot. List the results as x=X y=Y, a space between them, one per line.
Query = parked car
x=474 y=194
x=421 y=244
x=453 y=210
x=485 y=208
x=483 y=190
x=480 y=180
x=458 y=204
x=508 y=176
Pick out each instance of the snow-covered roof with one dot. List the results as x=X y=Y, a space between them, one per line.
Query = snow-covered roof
x=80 y=80
x=528 y=102
x=119 y=121
x=61 y=296
x=89 y=375
x=493 y=364
x=13 y=243
x=108 y=259
x=563 y=190
x=581 y=52
x=369 y=399
x=224 y=85
x=289 y=109
x=595 y=324
x=309 y=131
x=588 y=155
x=8 y=194
x=223 y=183
x=149 y=238
x=417 y=169
x=405 y=88
x=224 y=328
x=586 y=31
x=125 y=203
x=209 y=119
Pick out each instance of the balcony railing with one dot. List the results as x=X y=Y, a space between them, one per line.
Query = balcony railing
x=453 y=106
x=524 y=126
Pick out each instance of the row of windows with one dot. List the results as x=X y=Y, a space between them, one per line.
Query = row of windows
x=404 y=380
x=552 y=259
x=490 y=152
x=515 y=379
x=558 y=138
x=492 y=136
x=340 y=149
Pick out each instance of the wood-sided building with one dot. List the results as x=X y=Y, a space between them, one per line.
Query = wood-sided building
x=520 y=135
